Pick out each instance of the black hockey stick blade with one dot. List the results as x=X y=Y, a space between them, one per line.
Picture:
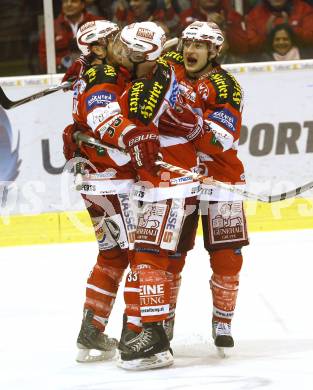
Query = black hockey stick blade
x=7 y=104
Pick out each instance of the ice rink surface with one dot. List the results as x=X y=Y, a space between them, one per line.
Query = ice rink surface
x=42 y=293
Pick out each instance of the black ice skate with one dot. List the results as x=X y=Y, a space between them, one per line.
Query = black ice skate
x=127 y=334
x=92 y=344
x=169 y=328
x=221 y=333
x=146 y=350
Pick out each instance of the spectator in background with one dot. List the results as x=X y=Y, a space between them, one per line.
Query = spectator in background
x=221 y=13
x=65 y=28
x=269 y=13
x=163 y=13
x=281 y=45
x=101 y=8
x=225 y=56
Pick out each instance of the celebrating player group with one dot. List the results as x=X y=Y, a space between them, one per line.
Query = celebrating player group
x=143 y=105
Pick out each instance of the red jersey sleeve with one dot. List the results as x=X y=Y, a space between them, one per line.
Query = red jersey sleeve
x=222 y=100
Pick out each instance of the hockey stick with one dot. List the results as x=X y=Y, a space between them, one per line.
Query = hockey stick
x=170 y=43
x=7 y=104
x=80 y=137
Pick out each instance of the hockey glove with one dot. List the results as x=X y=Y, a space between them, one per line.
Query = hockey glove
x=143 y=147
x=76 y=70
x=70 y=147
x=181 y=121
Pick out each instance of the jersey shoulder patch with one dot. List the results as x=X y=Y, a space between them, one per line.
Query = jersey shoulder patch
x=227 y=88
x=100 y=74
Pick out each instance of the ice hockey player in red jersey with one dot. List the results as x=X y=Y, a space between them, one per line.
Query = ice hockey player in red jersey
x=216 y=95
x=98 y=108
x=167 y=216
x=105 y=188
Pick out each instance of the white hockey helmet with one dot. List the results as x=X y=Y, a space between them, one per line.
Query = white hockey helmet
x=204 y=32
x=94 y=31
x=144 y=41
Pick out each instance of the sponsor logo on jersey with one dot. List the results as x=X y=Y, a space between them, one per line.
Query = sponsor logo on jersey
x=237 y=93
x=104 y=238
x=180 y=180
x=109 y=71
x=175 y=56
x=195 y=190
x=88 y=188
x=146 y=97
x=138 y=193
x=174 y=93
x=225 y=117
x=171 y=224
x=163 y=62
x=134 y=97
x=99 y=99
x=220 y=83
x=152 y=294
x=91 y=75
x=109 y=173
x=227 y=89
x=128 y=216
x=227 y=222
x=206 y=191
x=150 y=104
x=150 y=223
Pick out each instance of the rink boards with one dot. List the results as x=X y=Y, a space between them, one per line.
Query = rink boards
x=276 y=147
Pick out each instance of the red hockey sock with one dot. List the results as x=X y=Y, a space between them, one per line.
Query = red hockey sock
x=102 y=286
x=154 y=293
x=131 y=298
x=224 y=293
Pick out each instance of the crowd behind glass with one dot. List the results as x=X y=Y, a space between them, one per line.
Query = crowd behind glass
x=255 y=30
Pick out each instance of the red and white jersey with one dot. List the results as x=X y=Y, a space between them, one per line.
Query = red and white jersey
x=95 y=100
x=109 y=105
x=143 y=103
x=218 y=97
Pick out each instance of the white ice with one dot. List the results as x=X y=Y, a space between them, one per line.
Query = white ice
x=42 y=293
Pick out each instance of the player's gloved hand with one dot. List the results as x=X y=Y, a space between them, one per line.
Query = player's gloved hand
x=181 y=121
x=76 y=70
x=143 y=147
x=70 y=147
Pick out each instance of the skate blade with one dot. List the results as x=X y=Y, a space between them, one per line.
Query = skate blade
x=224 y=352
x=94 y=355
x=221 y=352
x=162 y=359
